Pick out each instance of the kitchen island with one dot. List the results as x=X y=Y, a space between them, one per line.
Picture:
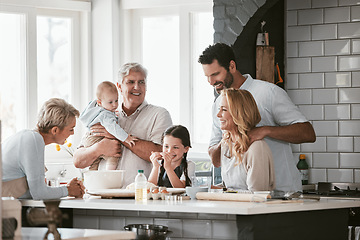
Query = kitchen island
x=308 y=219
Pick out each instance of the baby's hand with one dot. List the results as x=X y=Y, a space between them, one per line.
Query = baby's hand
x=131 y=140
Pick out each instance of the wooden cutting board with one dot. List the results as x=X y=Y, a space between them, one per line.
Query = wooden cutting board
x=241 y=197
x=110 y=193
x=125 y=193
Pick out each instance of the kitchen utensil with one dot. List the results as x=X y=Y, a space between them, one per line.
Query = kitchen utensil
x=292 y=196
x=192 y=191
x=241 y=197
x=104 y=179
x=148 y=231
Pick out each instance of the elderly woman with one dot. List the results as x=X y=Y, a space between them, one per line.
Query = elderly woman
x=23 y=154
x=244 y=165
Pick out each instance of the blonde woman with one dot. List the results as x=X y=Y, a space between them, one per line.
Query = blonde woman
x=244 y=165
x=23 y=154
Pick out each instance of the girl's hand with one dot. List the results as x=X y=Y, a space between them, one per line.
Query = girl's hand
x=155 y=157
x=167 y=160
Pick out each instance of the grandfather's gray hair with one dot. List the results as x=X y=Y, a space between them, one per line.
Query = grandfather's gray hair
x=125 y=70
x=55 y=112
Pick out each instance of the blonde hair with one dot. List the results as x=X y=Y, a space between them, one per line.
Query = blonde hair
x=245 y=114
x=55 y=112
x=105 y=86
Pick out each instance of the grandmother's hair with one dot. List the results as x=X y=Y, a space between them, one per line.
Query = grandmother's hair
x=105 y=86
x=55 y=112
x=246 y=116
x=127 y=67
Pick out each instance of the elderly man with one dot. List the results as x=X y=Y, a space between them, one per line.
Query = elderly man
x=281 y=121
x=138 y=118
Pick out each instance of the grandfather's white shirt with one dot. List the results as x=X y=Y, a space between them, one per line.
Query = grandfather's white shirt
x=148 y=123
x=276 y=109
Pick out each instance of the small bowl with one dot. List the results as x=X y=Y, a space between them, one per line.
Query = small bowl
x=105 y=179
x=191 y=191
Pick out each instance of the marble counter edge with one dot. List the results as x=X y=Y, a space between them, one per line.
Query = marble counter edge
x=200 y=206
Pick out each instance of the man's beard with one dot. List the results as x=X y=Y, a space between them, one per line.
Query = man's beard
x=228 y=81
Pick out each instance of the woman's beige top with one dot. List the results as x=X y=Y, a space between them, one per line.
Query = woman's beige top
x=256 y=171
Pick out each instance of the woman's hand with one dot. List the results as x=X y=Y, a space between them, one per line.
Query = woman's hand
x=155 y=157
x=167 y=160
x=76 y=188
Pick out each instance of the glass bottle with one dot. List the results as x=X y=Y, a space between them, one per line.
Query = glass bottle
x=140 y=186
x=304 y=169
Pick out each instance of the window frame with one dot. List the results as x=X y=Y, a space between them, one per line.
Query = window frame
x=133 y=11
x=79 y=13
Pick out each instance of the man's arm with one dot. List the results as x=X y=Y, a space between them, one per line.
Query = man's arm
x=294 y=133
x=84 y=157
x=143 y=148
x=215 y=154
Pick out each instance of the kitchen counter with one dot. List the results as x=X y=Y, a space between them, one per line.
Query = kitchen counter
x=219 y=219
x=200 y=206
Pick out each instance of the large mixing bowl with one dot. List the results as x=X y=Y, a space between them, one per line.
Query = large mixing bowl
x=104 y=179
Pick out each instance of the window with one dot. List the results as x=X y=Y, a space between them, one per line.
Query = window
x=39 y=59
x=12 y=73
x=168 y=41
x=54 y=44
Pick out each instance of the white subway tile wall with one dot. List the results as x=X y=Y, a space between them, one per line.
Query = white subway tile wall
x=313 y=112
x=326 y=128
x=336 y=112
x=355 y=14
x=355 y=111
x=337 y=47
x=322 y=3
x=355 y=79
x=322 y=32
x=325 y=160
x=338 y=14
x=323 y=79
x=337 y=79
x=340 y=175
x=308 y=49
x=355 y=45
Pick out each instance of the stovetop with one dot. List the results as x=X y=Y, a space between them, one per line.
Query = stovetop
x=338 y=190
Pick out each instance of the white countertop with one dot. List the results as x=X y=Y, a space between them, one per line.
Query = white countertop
x=30 y=233
x=200 y=206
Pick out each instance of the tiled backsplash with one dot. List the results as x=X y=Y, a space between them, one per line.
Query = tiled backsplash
x=323 y=80
x=322 y=76
x=183 y=225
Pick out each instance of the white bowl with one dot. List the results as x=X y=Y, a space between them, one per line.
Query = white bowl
x=191 y=191
x=104 y=179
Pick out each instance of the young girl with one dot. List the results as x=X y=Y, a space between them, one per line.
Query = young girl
x=170 y=167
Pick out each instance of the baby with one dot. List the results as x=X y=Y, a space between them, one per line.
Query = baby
x=102 y=110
